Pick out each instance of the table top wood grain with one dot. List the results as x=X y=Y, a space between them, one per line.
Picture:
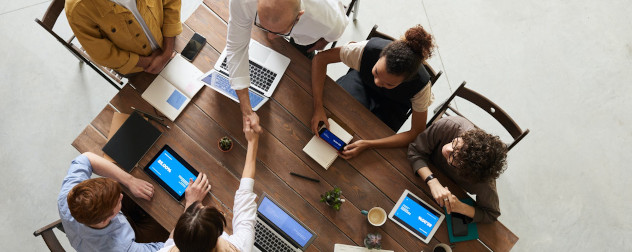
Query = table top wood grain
x=374 y=178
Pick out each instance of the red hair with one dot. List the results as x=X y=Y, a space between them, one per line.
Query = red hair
x=93 y=201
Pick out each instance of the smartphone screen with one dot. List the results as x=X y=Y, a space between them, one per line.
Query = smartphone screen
x=332 y=139
x=194 y=47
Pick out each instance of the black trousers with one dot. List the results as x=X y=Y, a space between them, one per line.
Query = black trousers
x=145 y=227
x=303 y=49
x=392 y=113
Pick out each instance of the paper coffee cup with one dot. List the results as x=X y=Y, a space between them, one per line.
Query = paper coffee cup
x=376 y=216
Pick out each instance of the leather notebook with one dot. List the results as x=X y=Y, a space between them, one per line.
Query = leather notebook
x=130 y=142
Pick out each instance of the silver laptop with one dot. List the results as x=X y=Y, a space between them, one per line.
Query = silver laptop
x=278 y=230
x=266 y=70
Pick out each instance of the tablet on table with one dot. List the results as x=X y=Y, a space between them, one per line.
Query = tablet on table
x=416 y=216
x=171 y=171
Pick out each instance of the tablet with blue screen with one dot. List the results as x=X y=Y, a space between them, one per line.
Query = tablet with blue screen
x=416 y=216
x=171 y=172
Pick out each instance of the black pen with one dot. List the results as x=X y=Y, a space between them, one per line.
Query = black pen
x=305 y=177
x=150 y=116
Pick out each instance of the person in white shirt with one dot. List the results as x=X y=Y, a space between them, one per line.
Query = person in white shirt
x=307 y=22
x=201 y=228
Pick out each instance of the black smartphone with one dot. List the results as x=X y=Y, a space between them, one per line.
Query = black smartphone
x=459 y=224
x=330 y=138
x=194 y=47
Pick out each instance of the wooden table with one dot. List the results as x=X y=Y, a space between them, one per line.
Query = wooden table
x=374 y=178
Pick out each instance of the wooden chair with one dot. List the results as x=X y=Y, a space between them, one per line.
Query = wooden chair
x=48 y=22
x=49 y=236
x=490 y=107
x=353 y=7
x=433 y=75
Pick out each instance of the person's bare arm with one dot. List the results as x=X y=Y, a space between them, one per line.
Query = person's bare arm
x=251 y=154
x=319 y=74
x=397 y=140
x=101 y=166
x=250 y=119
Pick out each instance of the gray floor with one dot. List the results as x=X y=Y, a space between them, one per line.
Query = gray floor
x=560 y=68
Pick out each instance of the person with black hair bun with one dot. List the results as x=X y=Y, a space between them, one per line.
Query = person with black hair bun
x=387 y=77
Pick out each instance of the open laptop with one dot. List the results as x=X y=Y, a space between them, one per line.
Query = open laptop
x=278 y=230
x=266 y=69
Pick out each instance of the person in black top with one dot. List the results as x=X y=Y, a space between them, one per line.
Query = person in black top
x=387 y=77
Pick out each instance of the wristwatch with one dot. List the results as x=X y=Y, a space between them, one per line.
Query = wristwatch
x=430 y=177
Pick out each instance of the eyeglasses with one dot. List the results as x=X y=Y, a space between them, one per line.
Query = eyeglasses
x=453 y=153
x=257 y=24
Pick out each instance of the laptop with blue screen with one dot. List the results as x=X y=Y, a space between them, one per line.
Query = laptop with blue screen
x=266 y=69
x=277 y=230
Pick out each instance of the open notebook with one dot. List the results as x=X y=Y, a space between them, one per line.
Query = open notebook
x=174 y=87
x=321 y=151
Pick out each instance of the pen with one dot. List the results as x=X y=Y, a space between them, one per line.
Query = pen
x=305 y=177
x=150 y=116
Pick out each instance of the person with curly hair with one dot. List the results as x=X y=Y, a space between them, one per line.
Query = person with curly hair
x=469 y=156
x=387 y=77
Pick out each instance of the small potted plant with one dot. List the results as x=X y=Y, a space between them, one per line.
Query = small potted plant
x=332 y=198
x=225 y=144
x=373 y=241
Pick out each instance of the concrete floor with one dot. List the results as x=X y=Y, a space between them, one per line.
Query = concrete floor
x=560 y=68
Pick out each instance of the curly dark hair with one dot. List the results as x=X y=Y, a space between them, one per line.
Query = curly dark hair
x=482 y=157
x=404 y=56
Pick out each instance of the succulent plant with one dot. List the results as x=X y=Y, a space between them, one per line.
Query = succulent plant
x=225 y=144
x=373 y=241
x=332 y=198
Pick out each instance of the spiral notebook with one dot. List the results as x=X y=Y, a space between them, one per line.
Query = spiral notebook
x=321 y=151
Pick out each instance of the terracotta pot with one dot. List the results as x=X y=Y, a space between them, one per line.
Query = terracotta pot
x=220 y=147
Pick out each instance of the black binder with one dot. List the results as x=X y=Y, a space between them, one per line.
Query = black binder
x=130 y=143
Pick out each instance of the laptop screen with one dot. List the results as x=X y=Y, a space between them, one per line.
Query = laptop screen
x=221 y=84
x=284 y=222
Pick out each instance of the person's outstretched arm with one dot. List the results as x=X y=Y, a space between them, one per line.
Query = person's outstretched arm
x=319 y=74
x=402 y=139
x=101 y=166
x=251 y=155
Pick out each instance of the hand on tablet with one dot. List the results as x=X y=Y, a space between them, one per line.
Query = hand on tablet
x=141 y=188
x=197 y=190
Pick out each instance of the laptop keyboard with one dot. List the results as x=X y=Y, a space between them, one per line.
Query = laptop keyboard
x=259 y=76
x=269 y=241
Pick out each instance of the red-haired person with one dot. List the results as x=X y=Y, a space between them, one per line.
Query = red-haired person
x=387 y=77
x=467 y=155
x=90 y=209
x=201 y=228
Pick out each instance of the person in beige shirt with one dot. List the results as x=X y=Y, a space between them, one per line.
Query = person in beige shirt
x=387 y=77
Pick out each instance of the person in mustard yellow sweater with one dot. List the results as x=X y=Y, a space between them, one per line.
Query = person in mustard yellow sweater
x=128 y=36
